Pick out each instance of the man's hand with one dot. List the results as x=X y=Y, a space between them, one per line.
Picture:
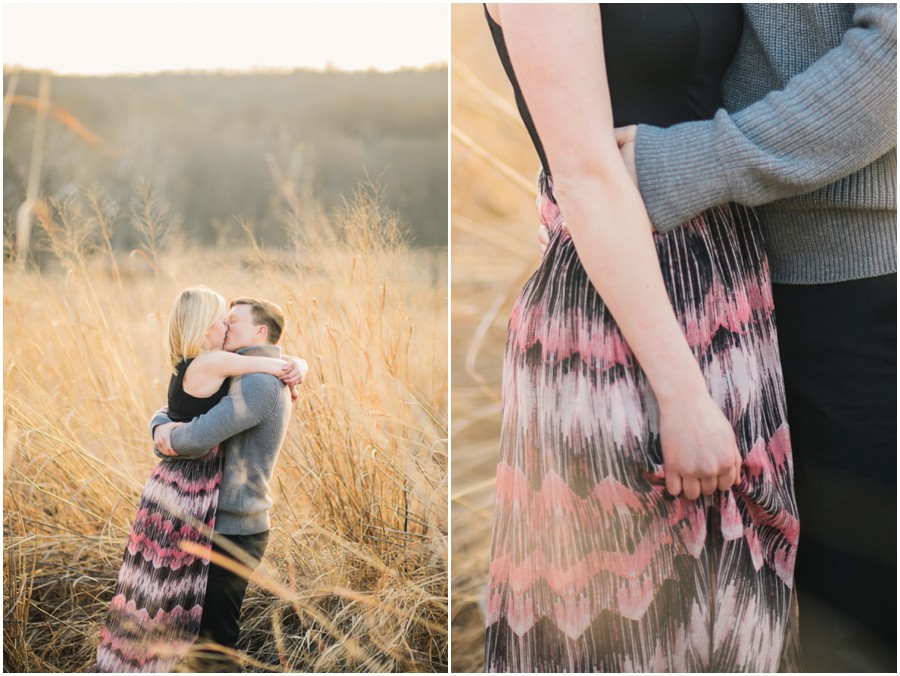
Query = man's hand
x=294 y=372
x=162 y=436
x=625 y=138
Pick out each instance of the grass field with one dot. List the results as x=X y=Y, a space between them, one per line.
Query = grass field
x=355 y=574
x=494 y=250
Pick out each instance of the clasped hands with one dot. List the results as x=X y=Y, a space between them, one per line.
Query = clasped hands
x=162 y=438
x=294 y=373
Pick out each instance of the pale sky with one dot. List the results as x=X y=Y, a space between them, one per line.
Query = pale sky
x=93 y=39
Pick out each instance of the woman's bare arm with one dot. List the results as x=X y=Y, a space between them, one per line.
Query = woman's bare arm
x=557 y=55
x=208 y=371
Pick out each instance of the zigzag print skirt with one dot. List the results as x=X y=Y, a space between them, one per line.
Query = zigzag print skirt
x=594 y=566
x=154 y=616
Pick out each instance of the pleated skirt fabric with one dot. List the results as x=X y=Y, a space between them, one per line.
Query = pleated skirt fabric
x=155 y=613
x=594 y=566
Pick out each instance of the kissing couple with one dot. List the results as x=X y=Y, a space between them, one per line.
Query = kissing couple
x=218 y=437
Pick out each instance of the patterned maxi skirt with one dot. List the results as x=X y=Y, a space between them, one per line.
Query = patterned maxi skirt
x=154 y=616
x=594 y=566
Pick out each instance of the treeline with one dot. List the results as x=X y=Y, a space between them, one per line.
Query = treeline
x=220 y=146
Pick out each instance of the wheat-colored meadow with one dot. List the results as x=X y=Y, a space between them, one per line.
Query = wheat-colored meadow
x=354 y=577
x=494 y=244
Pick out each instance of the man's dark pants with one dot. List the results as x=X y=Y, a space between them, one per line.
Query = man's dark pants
x=838 y=346
x=221 y=621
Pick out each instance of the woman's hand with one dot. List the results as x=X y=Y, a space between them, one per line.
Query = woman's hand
x=294 y=372
x=700 y=452
x=162 y=436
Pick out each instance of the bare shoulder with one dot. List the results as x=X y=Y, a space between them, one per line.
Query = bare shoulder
x=204 y=374
x=211 y=358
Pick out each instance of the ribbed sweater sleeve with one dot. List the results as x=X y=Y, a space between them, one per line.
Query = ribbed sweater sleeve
x=250 y=400
x=831 y=120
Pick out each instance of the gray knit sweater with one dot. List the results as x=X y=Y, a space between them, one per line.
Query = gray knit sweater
x=252 y=421
x=810 y=137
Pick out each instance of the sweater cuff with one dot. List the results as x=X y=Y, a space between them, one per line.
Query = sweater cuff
x=678 y=172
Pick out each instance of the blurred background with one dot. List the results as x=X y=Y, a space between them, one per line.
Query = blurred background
x=291 y=152
x=494 y=245
x=217 y=107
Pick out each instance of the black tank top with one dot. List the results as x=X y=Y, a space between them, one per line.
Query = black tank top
x=182 y=406
x=664 y=62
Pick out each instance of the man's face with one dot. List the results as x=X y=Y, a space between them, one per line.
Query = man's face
x=242 y=332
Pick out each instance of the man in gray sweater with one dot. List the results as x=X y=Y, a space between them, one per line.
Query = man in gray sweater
x=251 y=421
x=809 y=137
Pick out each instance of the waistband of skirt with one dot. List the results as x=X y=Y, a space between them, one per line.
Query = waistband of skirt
x=545 y=184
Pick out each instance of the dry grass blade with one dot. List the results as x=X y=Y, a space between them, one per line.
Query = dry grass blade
x=461 y=70
x=515 y=177
x=354 y=578
x=494 y=249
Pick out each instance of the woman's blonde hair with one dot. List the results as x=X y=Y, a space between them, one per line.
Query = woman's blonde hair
x=195 y=310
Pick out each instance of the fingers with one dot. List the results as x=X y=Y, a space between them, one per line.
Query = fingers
x=295 y=379
x=708 y=485
x=543 y=238
x=292 y=377
x=673 y=483
x=690 y=487
x=295 y=372
x=165 y=448
x=624 y=134
x=726 y=480
x=162 y=439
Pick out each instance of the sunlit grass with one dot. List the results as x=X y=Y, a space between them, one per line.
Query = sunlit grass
x=354 y=577
x=493 y=234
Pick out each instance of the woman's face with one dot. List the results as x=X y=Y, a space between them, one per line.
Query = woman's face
x=215 y=335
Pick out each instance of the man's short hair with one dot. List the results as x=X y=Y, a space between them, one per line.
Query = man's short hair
x=264 y=313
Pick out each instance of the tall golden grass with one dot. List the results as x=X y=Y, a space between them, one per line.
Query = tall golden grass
x=355 y=574
x=493 y=235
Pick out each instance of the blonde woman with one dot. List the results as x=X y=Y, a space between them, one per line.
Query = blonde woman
x=155 y=613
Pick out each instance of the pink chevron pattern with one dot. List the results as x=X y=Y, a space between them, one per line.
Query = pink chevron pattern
x=594 y=566
x=155 y=613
